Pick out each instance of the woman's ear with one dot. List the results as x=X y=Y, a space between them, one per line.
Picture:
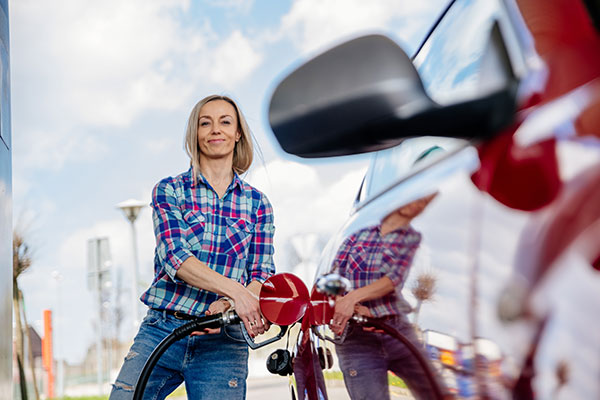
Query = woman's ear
x=238 y=136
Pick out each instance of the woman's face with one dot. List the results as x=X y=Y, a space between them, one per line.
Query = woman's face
x=217 y=129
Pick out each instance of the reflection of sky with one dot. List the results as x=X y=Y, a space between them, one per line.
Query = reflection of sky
x=448 y=64
x=389 y=166
x=571 y=335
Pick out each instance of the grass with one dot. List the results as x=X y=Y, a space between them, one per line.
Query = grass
x=393 y=380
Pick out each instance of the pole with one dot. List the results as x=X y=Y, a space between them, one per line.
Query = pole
x=60 y=373
x=135 y=299
x=99 y=337
x=47 y=357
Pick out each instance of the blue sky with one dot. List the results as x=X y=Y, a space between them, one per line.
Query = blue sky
x=101 y=92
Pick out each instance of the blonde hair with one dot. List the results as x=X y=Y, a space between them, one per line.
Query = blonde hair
x=243 y=150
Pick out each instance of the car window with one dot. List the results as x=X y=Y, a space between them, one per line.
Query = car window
x=449 y=62
x=388 y=167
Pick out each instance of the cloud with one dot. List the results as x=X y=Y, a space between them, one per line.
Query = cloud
x=311 y=24
x=234 y=60
x=303 y=202
x=90 y=66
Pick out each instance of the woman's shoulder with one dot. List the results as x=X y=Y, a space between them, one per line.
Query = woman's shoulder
x=173 y=183
x=256 y=195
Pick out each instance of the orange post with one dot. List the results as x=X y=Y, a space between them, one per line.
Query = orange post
x=47 y=357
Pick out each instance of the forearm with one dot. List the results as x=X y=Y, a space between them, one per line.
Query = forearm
x=254 y=287
x=196 y=273
x=374 y=290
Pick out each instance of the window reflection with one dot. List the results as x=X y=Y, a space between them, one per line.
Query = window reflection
x=377 y=260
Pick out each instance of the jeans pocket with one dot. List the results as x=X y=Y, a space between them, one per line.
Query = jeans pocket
x=152 y=318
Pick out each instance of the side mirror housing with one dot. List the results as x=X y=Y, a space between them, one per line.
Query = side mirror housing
x=366 y=95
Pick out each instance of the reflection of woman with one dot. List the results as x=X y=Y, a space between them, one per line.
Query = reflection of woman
x=377 y=260
x=214 y=236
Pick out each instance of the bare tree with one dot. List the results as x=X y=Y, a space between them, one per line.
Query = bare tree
x=22 y=261
x=423 y=289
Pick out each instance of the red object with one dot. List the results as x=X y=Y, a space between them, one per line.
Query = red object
x=524 y=178
x=322 y=308
x=284 y=299
x=47 y=357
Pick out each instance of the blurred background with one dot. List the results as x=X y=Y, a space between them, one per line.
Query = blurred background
x=101 y=92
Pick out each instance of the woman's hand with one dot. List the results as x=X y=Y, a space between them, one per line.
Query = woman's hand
x=344 y=309
x=216 y=307
x=248 y=309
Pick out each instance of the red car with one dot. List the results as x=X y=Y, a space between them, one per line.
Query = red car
x=499 y=273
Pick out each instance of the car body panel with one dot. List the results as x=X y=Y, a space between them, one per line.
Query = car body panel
x=511 y=239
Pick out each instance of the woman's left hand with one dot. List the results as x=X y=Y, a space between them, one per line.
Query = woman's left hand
x=216 y=307
x=344 y=309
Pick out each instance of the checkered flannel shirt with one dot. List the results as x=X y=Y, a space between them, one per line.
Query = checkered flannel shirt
x=233 y=235
x=367 y=256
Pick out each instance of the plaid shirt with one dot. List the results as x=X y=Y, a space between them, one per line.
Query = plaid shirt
x=232 y=235
x=367 y=256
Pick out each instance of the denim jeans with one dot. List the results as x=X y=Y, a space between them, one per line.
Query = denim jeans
x=212 y=366
x=365 y=358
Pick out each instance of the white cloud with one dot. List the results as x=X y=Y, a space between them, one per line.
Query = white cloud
x=90 y=65
x=233 y=60
x=302 y=202
x=311 y=24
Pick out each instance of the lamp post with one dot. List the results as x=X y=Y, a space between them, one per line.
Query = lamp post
x=131 y=209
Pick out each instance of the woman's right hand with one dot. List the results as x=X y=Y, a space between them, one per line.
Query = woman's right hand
x=248 y=309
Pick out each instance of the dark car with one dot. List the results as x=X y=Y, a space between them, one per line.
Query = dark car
x=495 y=122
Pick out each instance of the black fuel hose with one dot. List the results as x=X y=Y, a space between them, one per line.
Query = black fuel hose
x=210 y=321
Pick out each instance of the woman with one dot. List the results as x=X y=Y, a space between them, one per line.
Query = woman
x=214 y=246
x=377 y=261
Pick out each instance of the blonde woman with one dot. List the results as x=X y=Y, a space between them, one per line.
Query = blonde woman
x=214 y=247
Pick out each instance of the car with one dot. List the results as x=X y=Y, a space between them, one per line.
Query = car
x=495 y=121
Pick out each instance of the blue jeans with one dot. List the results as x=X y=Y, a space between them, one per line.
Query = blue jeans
x=365 y=358
x=212 y=366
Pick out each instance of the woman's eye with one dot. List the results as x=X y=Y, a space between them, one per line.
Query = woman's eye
x=226 y=122
x=204 y=123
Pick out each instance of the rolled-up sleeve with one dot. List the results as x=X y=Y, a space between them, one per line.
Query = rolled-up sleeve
x=260 y=263
x=341 y=258
x=172 y=249
x=396 y=265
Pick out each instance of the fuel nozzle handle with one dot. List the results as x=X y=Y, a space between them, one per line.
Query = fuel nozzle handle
x=230 y=317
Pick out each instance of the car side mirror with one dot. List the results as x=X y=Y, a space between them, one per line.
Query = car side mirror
x=366 y=95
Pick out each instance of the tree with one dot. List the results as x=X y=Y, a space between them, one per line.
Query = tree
x=423 y=289
x=22 y=261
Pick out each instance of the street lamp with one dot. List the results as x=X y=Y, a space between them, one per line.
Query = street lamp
x=131 y=209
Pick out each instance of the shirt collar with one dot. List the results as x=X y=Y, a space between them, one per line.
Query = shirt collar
x=236 y=182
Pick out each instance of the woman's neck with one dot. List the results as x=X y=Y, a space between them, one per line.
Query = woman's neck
x=218 y=173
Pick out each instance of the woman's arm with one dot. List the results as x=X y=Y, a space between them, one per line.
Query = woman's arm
x=259 y=265
x=345 y=305
x=200 y=275
x=181 y=265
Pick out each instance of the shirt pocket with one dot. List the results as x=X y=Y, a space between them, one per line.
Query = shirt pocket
x=363 y=268
x=358 y=259
x=238 y=235
x=196 y=222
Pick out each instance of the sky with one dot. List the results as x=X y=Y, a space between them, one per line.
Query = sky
x=101 y=92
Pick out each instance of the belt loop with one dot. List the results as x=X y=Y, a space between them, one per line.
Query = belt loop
x=164 y=315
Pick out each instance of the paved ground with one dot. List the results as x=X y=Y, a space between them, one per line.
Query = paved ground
x=271 y=388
